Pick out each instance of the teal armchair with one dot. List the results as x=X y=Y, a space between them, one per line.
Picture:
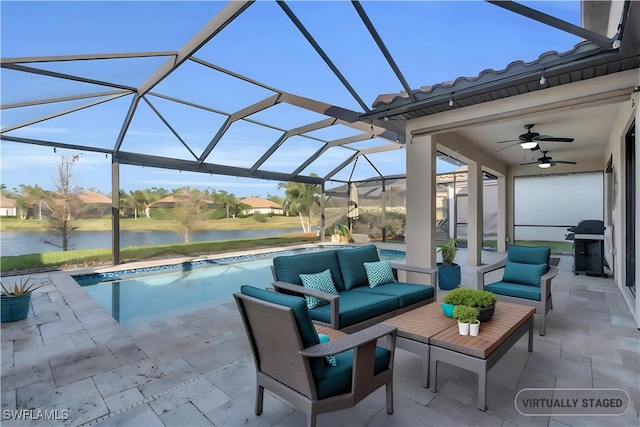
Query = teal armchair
x=291 y=362
x=526 y=279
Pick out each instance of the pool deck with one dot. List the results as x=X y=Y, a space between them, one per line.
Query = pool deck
x=71 y=358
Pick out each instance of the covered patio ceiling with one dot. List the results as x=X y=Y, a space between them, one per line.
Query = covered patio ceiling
x=293 y=91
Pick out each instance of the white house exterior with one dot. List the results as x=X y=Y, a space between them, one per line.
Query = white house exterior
x=8 y=207
x=262 y=206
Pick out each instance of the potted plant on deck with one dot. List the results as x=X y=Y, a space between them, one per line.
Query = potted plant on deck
x=448 y=271
x=465 y=316
x=341 y=234
x=16 y=299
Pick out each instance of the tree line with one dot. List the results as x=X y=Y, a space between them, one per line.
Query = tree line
x=189 y=208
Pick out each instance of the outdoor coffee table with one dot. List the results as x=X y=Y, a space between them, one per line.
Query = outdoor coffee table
x=416 y=327
x=478 y=354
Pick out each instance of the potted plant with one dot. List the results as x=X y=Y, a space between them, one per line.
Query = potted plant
x=16 y=299
x=485 y=302
x=458 y=296
x=465 y=315
x=341 y=233
x=448 y=271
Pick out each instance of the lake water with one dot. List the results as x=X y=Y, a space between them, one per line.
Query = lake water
x=28 y=242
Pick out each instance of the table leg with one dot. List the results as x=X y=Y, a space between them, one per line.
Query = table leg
x=530 y=334
x=482 y=388
x=433 y=374
x=421 y=350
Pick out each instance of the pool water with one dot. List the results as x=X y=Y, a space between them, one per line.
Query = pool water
x=143 y=294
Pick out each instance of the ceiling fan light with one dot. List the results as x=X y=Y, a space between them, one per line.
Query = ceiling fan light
x=528 y=145
x=544 y=165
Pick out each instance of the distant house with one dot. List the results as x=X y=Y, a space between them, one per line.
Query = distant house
x=262 y=206
x=8 y=207
x=179 y=197
x=95 y=205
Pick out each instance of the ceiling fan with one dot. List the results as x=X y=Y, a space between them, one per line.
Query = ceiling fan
x=546 y=161
x=529 y=140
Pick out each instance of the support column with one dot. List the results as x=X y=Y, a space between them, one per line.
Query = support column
x=475 y=228
x=115 y=212
x=502 y=214
x=323 y=199
x=421 y=202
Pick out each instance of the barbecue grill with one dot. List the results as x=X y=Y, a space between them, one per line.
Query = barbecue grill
x=588 y=247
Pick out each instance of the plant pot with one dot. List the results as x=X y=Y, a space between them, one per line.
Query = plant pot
x=474 y=329
x=486 y=313
x=448 y=276
x=463 y=328
x=15 y=308
x=447 y=309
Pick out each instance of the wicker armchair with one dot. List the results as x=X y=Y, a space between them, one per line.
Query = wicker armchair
x=290 y=361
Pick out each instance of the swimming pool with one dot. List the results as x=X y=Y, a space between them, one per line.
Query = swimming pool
x=168 y=290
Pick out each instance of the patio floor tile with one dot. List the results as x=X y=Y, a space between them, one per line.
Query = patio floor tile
x=196 y=368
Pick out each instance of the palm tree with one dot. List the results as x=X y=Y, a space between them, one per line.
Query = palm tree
x=301 y=199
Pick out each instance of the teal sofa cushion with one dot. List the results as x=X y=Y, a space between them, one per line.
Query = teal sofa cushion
x=352 y=265
x=356 y=307
x=320 y=282
x=379 y=273
x=514 y=290
x=288 y=268
x=528 y=255
x=308 y=332
x=524 y=274
x=406 y=293
x=337 y=378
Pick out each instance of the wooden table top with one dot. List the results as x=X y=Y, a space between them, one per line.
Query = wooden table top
x=506 y=319
x=422 y=323
x=331 y=333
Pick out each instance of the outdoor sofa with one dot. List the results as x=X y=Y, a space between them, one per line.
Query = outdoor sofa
x=355 y=304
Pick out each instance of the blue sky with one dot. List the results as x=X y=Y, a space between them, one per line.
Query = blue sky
x=432 y=42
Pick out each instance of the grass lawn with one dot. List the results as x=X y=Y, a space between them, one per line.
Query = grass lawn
x=149 y=224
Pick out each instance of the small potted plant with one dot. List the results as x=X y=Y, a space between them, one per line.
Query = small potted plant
x=485 y=302
x=458 y=296
x=465 y=315
x=16 y=299
x=449 y=276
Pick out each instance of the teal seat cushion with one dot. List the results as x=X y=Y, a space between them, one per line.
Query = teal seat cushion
x=514 y=290
x=524 y=274
x=528 y=255
x=406 y=293
x=352 y=265
x=308 y=332
x=337 y=378
x=289 y=268
x=356 y=307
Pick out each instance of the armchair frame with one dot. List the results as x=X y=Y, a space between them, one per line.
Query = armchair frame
x=283 y=366
x=542 y=307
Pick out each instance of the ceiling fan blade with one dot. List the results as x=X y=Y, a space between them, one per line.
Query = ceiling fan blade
x=508 y=146
x=564 y=162
x=508 y=140
x=530 y=163
x=550 y=138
